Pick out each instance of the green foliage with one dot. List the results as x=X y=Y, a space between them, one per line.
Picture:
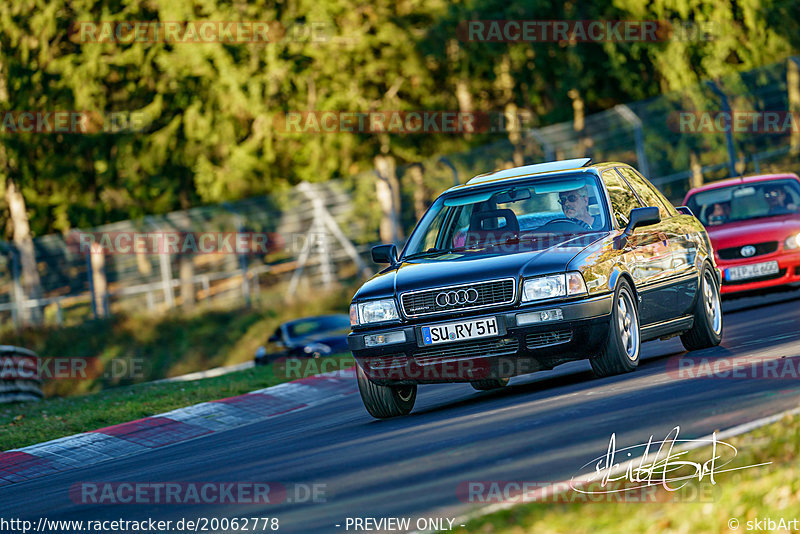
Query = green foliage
x=210 y=131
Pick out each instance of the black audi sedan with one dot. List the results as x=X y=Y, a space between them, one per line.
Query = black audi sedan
x=309 y=337
x=523 y=269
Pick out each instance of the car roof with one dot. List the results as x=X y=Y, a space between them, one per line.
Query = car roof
x=741 y=180
x=550 y=168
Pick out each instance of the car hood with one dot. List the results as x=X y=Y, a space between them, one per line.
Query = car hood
x=740 y=233
x=463 y=268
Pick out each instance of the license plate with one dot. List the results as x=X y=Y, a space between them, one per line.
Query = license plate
x=751 y=271
x=446 y=333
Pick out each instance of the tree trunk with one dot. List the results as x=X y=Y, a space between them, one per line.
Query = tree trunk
x=514 y=126
x=97 y=259
x=387 y=189
x=697 y=170
x=420 y=193
x=579 y=122
x=18 y=216
x=186 y=274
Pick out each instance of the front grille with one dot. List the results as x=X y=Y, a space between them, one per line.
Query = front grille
x=544 y=339
x=472 y=349
x=491 y=293
x=735 y=253
x=773 y=276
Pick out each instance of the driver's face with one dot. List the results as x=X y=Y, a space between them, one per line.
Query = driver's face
x=575 y=205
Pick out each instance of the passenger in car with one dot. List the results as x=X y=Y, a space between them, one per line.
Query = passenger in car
x=778 y=200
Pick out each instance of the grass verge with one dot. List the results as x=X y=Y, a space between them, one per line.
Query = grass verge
x=25 y=424
x=764 y=492
x=130 y=349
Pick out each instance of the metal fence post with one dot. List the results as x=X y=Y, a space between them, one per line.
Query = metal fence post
x=17 y=295
x=726 y=107
x=793 y=87
x=90 y=276
x=638 y=135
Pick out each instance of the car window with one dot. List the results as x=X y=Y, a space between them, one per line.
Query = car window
x=740 y=202
x=313 y=325
x=647 y=192
x=527 y=210
x=622 y=198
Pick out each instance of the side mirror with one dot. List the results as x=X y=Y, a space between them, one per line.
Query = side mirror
x=384 y=254
x=642 y=217
x=274 y=338
x=685 y=210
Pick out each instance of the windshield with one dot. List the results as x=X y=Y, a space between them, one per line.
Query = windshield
x=478 y=221
x=745 y=201
x=316 y=325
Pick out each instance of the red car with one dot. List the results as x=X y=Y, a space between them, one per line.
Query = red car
x=754 y=226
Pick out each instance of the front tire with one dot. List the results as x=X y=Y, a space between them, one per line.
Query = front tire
x=489 y=383
x=706 y=332
x=620 y=353
x=385 y=401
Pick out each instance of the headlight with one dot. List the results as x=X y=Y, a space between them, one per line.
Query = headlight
x=376 y=311
x=553 y=286
x=792 y=242
x=317 y=348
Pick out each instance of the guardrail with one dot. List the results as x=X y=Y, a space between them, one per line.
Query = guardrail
x=19 y=375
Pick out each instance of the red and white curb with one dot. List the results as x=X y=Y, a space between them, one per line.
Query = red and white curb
x=179 y=425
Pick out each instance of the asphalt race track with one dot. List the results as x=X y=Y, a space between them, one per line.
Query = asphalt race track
x=542 y=427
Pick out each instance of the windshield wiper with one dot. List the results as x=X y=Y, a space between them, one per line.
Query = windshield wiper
x=432 y=252
x=423 y=254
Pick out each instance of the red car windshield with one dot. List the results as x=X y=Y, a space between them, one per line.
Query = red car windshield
x=742 y=202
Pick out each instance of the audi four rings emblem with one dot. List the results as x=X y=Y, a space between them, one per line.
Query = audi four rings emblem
x=748 y=251
x=461 y=296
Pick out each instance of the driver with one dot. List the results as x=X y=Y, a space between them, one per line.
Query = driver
x=575 y=205
x=720 y=213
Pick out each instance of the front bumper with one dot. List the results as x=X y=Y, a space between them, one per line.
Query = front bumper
x=788 y=272
x=517 y=349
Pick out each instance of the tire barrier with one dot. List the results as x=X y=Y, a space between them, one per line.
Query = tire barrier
x=19 y=375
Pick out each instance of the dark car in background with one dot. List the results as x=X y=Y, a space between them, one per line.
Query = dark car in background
x=754 y=226
x=309 y=337
x=524 y=269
